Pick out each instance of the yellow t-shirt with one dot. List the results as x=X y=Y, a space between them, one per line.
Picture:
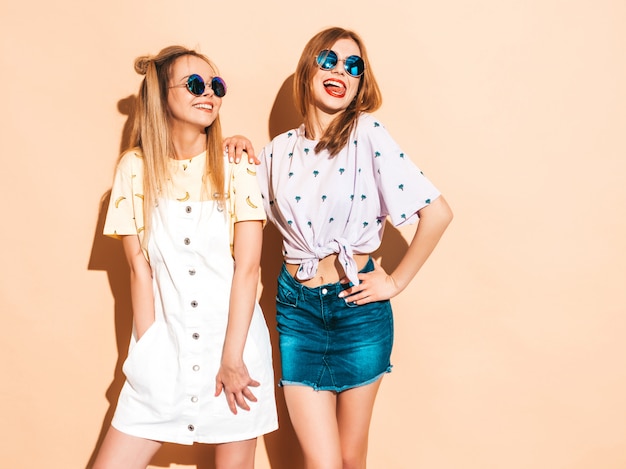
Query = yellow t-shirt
x=125 y=211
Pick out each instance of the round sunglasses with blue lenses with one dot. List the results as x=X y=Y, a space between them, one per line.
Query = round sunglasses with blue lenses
x=353 y=65
x=196 y=86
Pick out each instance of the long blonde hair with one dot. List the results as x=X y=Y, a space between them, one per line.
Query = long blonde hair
x=151 y=130
x=367 y=99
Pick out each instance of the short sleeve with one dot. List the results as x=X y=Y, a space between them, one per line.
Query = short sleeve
x=125 y=211
x=403 y=187
x=246 y=201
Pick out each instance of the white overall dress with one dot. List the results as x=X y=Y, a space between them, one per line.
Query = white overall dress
x=170 y=371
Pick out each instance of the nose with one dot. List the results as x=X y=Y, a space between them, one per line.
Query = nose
x=340 y=67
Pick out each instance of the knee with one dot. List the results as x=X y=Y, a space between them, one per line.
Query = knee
x=357 y=461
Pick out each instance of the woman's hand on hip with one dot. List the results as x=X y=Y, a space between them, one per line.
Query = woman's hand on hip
x=376 y=285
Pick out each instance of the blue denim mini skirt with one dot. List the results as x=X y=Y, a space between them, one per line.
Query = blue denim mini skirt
x=327 y=343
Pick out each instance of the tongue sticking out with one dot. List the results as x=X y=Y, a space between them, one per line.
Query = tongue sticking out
x=335 y=88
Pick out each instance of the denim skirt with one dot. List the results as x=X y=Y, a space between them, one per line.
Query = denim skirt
x=327 y=343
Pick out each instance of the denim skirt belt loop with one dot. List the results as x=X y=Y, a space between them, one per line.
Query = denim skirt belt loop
x=327 y=343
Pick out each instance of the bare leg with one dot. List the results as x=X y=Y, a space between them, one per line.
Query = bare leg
x=354 y=414
x=120 y=450
x=314 y=419
x=235 y=455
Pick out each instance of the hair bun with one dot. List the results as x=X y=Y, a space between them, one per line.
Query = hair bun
x=142 y=63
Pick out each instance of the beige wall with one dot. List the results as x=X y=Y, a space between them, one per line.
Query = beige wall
x=510 y=343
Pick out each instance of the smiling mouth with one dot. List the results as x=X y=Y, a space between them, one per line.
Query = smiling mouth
x=208 y=107
x=335 y=88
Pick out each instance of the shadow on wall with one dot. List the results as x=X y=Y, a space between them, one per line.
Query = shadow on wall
x=284 y=115
x=107 y=255
x=282 y=446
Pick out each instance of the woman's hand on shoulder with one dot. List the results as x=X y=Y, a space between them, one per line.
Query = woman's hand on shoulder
x=236 y=382
x=376 y=285
x=236 y=145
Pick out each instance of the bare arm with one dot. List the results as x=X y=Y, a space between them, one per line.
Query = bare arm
x=233 y=377
x=142 y=297
x=378 y=285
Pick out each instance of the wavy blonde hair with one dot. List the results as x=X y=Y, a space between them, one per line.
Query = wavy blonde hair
x=367 y=99
x=150 y=130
